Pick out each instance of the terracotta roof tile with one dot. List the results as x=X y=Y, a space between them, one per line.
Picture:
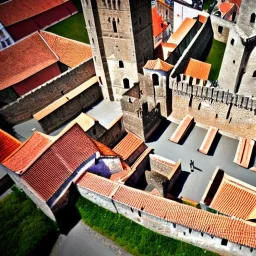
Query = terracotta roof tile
x=123 y=175
x=158 y=64
x=182 y=31
x=97 y=184
x=235 y=199
x=24 y=59
x=103 y=149
x=29 y=151
x=8 y=144
x=238 y=2
x=70 y=52
x=198 y=69
x=158 y=23
x=155 y=192
x=127 y=145
x=18 y=10
x=59 y=161
x=225 y=7
x=220 y=226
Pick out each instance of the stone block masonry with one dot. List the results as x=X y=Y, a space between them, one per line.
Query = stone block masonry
x=215 y=107
x=26 y=106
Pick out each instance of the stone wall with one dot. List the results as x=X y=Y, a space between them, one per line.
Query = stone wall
x=167 y=228
x=215 y=107
x=27 y=105
x=226 y=26
x=71 y=108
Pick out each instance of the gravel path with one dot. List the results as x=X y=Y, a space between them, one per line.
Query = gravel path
x=82 y=240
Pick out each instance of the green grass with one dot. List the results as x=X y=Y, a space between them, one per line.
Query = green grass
x=25 y=230
x=73 y=28
x=215 y=57
x=207 y=4
x=132 y=237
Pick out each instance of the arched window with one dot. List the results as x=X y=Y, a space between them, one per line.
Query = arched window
x=126 y=83
x=114 y=25
x=252 y=20
x=232 y=41
x=254 y=73
x=121 y=64
x=155 y=79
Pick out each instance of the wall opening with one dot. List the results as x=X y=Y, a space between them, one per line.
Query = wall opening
x=93 y=43
x=140 y=20
x=100 y=80
x=220 y=29
x=126 y=83
x=232 y=41
x=155 y=79
x=114 y=25
x=121 y=64
x=114 y=4
x=89 y=22
x=224 y=242
x=254 y=73
x=139 y=212
x=131 y=210
x=119 y=4
x=252 y=20
x=190 y=230
x=234 y=61
x=234 y=16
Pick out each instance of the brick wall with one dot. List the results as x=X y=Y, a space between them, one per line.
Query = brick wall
x=24 y=107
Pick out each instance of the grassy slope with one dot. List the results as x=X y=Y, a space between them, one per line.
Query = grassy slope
x=207 y=4
x=23 y=226
x=132 y=237
x=215 y=57
x=73 y=28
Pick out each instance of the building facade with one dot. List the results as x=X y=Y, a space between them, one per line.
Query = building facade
x=120 y=34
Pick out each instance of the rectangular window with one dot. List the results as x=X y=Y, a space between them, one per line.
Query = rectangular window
x=220 y=29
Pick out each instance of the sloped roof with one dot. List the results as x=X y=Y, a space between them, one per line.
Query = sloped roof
x=225 y=7
x=127 y=145
x=158 y=23
x=158 y=64
x=238 y=2
x=17 y=10
x=97 y=184
x=182 y=31
x=70 y=52
x=24 y=59
x=25 y=155
x=8 y=145
x=234 y=198
x=59 y=161
x=198 y=69
x=234 y=230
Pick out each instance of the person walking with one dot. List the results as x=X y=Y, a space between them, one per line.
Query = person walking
x=192 y=165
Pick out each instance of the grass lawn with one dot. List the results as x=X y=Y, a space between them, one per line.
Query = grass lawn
x=73 y=28
x=215 y=57
x=132 y=237
x=25 y=230
x=207 y=4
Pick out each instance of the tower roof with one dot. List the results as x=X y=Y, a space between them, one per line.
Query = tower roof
x=158 y=64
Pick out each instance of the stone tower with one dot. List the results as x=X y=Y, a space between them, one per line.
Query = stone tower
x=237 y=72
x=120 y=33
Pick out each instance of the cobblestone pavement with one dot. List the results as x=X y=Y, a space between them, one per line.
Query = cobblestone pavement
x=82 y=240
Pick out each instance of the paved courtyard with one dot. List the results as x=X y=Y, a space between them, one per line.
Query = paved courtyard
x=193 y=184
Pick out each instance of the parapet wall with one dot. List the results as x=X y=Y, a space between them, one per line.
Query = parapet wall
x=24 y=107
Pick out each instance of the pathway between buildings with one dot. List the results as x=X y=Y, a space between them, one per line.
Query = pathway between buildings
x=84 y=241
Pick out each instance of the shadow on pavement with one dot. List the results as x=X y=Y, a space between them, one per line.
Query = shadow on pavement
x=187 y=133
x=214 y=144
x=252 y=160
x=178 y=185
x=159 y=131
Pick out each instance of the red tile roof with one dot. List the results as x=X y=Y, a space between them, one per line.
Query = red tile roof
x=155 y=192
x=158 y=64
x=56 y=165
x=28 y=152
x=234 y=230
x=220 y=226
x=235 y=199
x=24 y=59
x=127 y=145
x=18 y=10
x=225 y=7
x=97 y=184
x=238 y=2
x=158 y=23
x=104 y=150
x=8 y=144
x=198 y=69
x=70 y=52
